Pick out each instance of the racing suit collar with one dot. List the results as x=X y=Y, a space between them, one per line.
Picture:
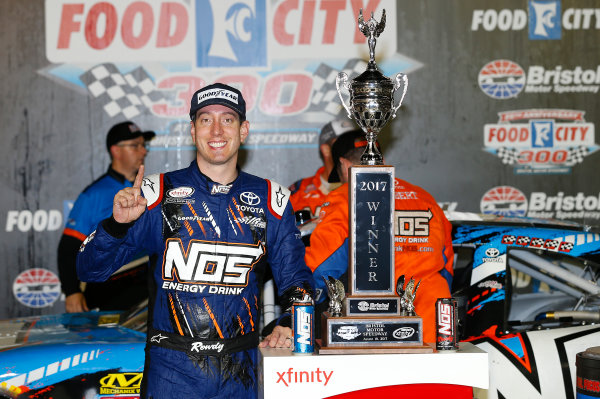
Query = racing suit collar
x=212 y=186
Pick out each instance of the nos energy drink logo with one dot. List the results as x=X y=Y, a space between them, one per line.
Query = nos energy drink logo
x=544 y=20
x=241 y=41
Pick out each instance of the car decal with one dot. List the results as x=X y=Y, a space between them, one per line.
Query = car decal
x=524 y=360
x=517 y=348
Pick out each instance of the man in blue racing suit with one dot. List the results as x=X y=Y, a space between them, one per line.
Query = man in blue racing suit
x=211 y=229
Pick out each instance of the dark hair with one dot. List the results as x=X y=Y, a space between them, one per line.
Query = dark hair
x=354 y=155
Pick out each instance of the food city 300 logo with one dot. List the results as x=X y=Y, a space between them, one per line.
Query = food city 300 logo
x=137 y=56
x=540 y=140
x=134 y=57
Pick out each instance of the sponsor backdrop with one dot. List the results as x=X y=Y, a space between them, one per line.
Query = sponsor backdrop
x=500 y=114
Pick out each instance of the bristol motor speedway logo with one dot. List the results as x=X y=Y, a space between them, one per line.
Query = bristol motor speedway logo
x=504 y=201
x=501 y=79
x=504 y=79
x=510 y=201
x=149 y=57
x=543 y=19
x=540 y=140
x=37 y=288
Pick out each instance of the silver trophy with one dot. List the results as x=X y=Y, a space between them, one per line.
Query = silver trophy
x=371 y=94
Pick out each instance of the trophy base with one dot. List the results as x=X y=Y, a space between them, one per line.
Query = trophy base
x=385 y=334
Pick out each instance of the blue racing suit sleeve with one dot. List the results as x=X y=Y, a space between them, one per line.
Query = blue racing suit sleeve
x=335 y=265
x=108 y=248
x=286 y=257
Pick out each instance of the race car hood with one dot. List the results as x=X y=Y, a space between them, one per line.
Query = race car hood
x=40 y=351
x=62 y=328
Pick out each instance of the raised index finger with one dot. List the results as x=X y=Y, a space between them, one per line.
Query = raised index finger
x=139 y=177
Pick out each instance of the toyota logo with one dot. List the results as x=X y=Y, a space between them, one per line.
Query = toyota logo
x=249 y=198
x=492 y=252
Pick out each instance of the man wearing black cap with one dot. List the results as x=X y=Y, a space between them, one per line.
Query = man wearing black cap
x=423 y=244
x=126 y=145
x=210 y=230
x=310 y=192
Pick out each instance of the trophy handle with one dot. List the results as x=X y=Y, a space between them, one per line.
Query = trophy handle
x=342 y=80
x=401 y=80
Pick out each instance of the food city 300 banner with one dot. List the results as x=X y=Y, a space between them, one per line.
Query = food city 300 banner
x=500 y=114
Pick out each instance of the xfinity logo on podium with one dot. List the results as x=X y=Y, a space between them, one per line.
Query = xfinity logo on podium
x=291 y=376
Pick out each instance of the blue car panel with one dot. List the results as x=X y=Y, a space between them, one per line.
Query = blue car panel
x=64 y=355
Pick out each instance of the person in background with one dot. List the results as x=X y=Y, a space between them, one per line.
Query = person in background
x=428 y=259
x=126 y=145
x=308 y=193
x=211 y=230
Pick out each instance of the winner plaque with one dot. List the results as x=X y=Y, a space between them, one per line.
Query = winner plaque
x=373 y=317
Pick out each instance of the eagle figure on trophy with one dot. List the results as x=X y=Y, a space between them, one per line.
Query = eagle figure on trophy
x=407 y=295
x=335 y=289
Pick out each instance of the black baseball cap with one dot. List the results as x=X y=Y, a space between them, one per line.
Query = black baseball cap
x=342 y=146
x=126 y=131
x=218 y=93
x=334 y=129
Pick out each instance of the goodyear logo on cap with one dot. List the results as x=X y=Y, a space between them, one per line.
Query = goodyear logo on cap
x=218 y=93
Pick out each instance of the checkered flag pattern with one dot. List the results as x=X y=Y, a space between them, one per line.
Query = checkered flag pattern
x=537 y=242
x=325 y=96
x=523 y=240
x=551 y=244
x=576 y=155
x=127 y=95
x=565 y=246
x=508 y=155
x=508 y=239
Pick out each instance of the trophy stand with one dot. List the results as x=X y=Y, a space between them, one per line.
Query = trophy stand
x=377 y=315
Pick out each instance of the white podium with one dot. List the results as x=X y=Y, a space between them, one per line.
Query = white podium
x=284 y=375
